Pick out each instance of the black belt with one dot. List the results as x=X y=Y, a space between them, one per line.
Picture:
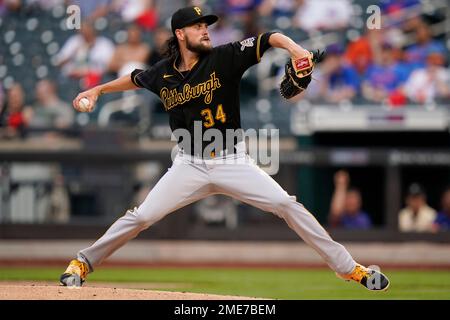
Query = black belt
x=213 y=154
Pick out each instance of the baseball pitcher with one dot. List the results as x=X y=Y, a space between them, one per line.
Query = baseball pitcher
x=200 y=84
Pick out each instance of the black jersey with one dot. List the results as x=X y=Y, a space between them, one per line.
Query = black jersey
x=209 y=92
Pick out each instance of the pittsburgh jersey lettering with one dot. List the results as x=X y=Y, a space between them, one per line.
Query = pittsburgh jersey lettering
x=172 y=98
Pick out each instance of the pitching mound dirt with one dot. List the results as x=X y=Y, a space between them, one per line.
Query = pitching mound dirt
x=96 y=291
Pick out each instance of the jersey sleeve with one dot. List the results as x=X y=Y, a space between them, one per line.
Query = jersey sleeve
x=246 y=53
x=145 y=78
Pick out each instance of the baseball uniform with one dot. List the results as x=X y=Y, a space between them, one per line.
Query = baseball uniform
x=209 y=94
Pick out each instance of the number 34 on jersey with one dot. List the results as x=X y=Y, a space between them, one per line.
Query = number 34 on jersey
x=209 y=118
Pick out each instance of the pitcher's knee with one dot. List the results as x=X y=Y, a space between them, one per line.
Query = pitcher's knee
x=282 y=202
x=142 y=220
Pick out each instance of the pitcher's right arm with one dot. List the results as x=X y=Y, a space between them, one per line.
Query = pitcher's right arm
x=121 y=84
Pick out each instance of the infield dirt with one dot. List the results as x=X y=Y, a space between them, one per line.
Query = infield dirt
x=37 y=290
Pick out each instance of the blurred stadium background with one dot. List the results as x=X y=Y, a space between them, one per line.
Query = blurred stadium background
x=377 y=113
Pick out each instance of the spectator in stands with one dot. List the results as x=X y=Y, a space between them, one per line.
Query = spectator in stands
x=10 y=6
x=243 y=13
x=241 y=7
x=392 y=6
x=130 y=55
x=2 y=8
x=442 y=221
x=160 y=38
x=144 y=13
x=223 y=32
x=362 y=52
x=417 y=216
x=335 y=80
x=346 y=205
x=424 y=45
x=14 y=119
x=49 y=111
x=85 y=56
x=278 y=8
x=91 y=10
x=383 y=79
x=322 y=15
x=425 y=85
x=46 y=5
x=397 y=9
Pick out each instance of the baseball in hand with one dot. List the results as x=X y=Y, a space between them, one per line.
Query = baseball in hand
x=84 y=105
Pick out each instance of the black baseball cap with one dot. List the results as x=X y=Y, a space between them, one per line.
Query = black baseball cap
x=190 y=15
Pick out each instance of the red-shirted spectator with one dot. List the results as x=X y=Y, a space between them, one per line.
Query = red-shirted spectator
x=14 y=118
x=363 y=52
x=142 y=12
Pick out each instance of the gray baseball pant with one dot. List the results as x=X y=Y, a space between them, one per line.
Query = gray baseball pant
x=190 y=179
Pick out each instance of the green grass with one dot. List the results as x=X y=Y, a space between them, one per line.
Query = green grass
x=264 y=283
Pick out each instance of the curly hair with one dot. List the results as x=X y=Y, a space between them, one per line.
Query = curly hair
x=172 y=49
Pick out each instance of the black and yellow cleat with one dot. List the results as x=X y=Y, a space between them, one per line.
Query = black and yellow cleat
x=371 y=279
x=75 y=274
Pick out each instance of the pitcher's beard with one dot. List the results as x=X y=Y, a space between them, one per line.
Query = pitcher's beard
x=199 y=48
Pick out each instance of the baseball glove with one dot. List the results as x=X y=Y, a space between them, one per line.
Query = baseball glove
x=298 y=72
